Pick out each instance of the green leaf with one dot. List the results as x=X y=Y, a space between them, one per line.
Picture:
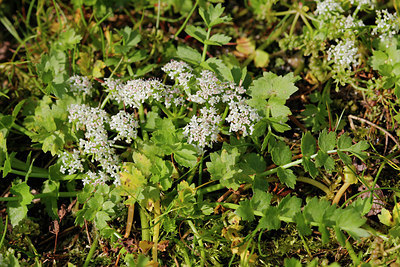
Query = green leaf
x=271 y=85
x=289 y=206
x=69 y=39
x=101 y=219
x=340 y=236
x=344 y=142
x=308 y=145
x=219 y=68
x=344 y=157
x=351 y=222
x=51 y=205
x=196 y=32
x=270 y=219
x=309 y=166
x=323 y=159
x=261 y=59
x=287 y=177
x=188 y=54
x=18 y=210
x=186 y=156
x=261 y=200
x=143 y=163
x=281 y=154
x=301 y=224
x=327 y=141
x=255 y=162
x=212 y=16
x=278 y=108
x=292 y=262
x=218 y=39
x=245 y=210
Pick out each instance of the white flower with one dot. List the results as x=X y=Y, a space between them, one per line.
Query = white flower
x=95 y=178
x=79 y=84
x=210 y=89
x=349 y=23
x=134 y=93
x=344 y=54
x=363 y=3
x=175 y=68
x=328 y=9
x=387 y=25
x=71 y=162
x=125 y=124
x=242 y=117
x=202 y=131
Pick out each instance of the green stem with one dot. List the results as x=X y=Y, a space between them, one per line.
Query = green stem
x=144 y=224
x=352 y=254
x=42 y=195
x=203 y=57
x=142 y=120
x=4 y=232
x=291 y=164
x=129 y=220
x=340 y=193
x=22 y=130
x=199 y=241
x=186 y=20
x=315 y=183
x=91 y=252
x=156 y=230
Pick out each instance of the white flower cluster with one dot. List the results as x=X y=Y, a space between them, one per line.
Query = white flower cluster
x=125 y=124
x=203 y=130
x=80 y=84
x=210 y=89
x=349 y=23
x=134 y=93
x=328 y=9
x=344 y=54
x=387 y=25
x=96 y=143
x=242 y=117
x=363 y=3
x=95 y=178
x=71 y=162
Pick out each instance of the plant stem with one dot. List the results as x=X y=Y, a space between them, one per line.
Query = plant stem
x=352 y=254
x=199 y=241
x=4 y=232
x=340 y=193
x=144 y=224
x=43 y=195
x=142 y=120
x=156 y=230
x=91 y=252
x=129 y=221
x=186 y=20
x=315 y=183
x=203 y=57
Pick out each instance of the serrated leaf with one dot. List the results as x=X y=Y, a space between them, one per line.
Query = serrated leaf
x=344 y=157
x=261 y=59
x=344 y=142
x=270 y=219
x=308 y=145
x=386 y=218
x=188 y=54
x=301 y=224
x=323 y=159
x=278 y=108
x=281 y=154
x=101 y=219
x=17 y=210
x=245 y=210
x=309 y=167
x=216 y=65
x=340 y=236
x=327 y=141
x=289 y=206
x=261 y=200
x=218 y=39
x=186 y=156
x=287 y=177
x=142 y=163
x=351 y=222
x=212 y=16
x=255 y=162
x=196 y=32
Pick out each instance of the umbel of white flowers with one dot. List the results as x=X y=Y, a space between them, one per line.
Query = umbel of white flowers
x=204 y=89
